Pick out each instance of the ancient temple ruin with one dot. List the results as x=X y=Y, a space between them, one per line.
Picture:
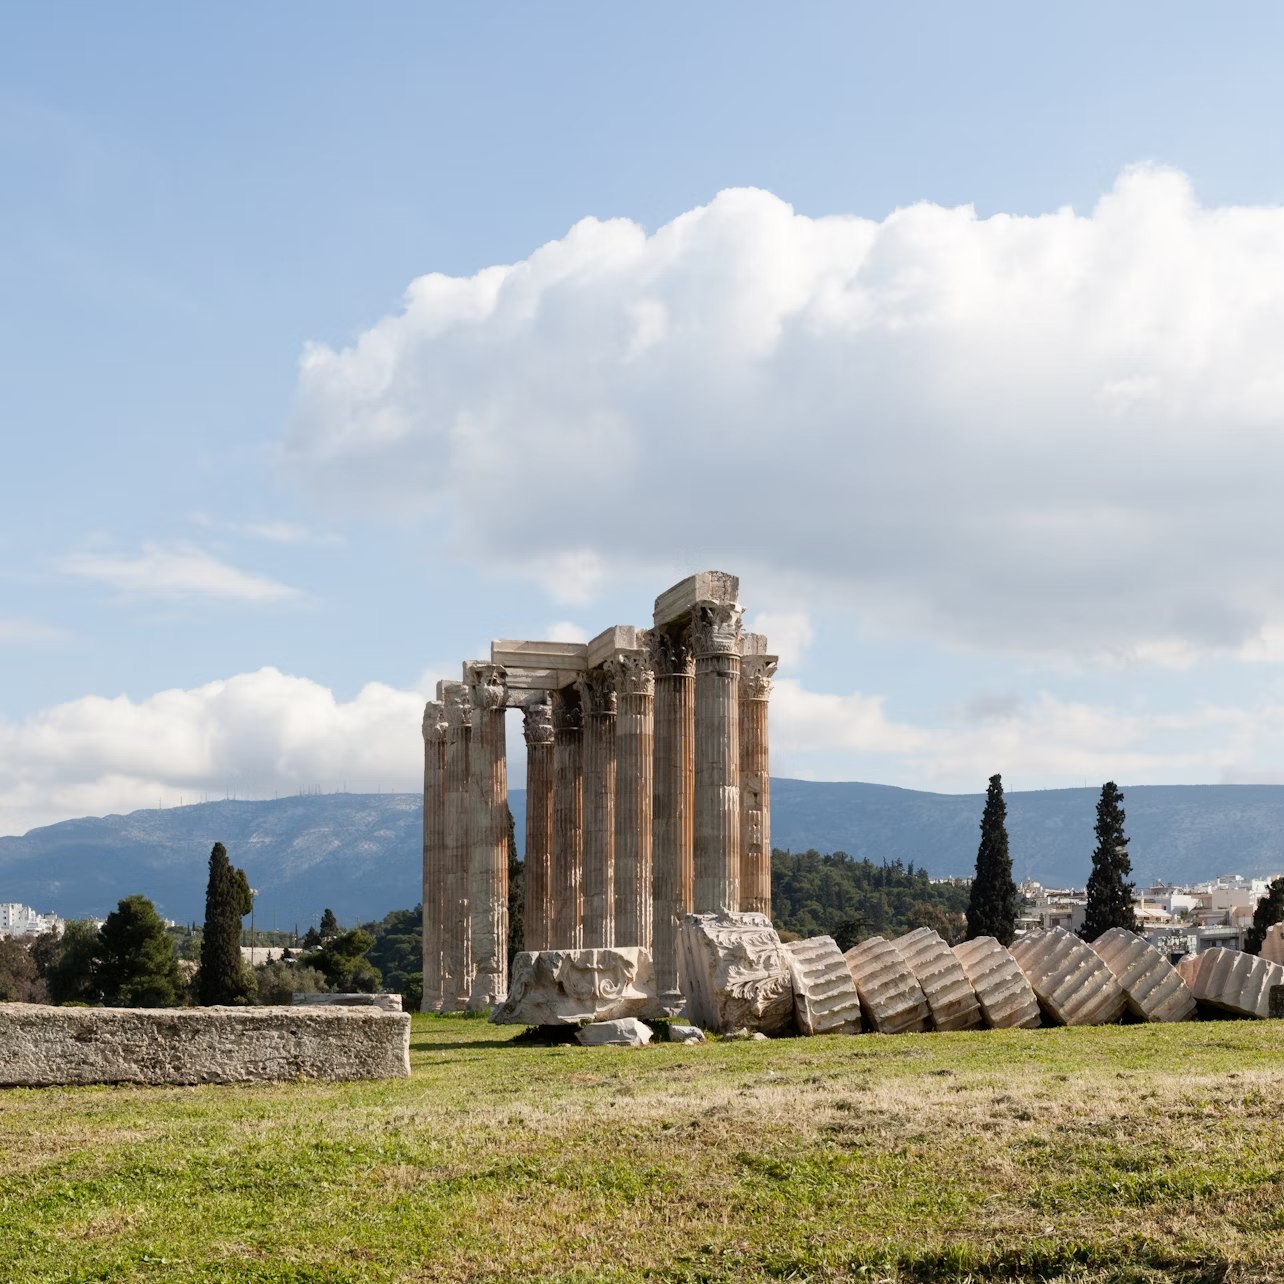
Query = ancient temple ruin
x=647 y=792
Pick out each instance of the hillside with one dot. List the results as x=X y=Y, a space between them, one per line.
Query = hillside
x=360 y=852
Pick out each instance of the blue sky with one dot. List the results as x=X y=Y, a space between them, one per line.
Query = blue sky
x=970 y=373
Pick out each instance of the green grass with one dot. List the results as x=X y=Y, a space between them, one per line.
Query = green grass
x=1126 y=1153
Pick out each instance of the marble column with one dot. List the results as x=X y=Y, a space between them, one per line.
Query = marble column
x=456 y=958
x=488 y=837
x=537 y=720
x=568 y=820
x=756 y=672
x=597 y=698
x=434 y=730
x=715 y=632
x=671 y=816
x=634 y=781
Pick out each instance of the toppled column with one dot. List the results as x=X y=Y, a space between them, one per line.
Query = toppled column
x=1153 y=988
x=597 y=699
x=456 y=956
x=890 y=995
x=825 y=998
x=757 y=669
x=434 y=869
x=949 y=993
x=735 y=974
x=1231 y=981
x=488 y=836
x=634 y=781
x=1073 y=985
x=568 y=819
x=537 y=727
x=563 y=987
x=671 y=815
x=1006 y=999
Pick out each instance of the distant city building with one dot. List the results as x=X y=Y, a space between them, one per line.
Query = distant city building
x=22 y=920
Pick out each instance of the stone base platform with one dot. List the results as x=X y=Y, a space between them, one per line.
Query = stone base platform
x=46 y=1046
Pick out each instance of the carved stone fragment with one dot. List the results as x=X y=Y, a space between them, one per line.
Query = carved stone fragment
x=563 y=987
x=825 y=998
x=1273 y=946
x=627 y=1032
x=1006 y=999
x=1153 y=987
x=1073 y=985
x=735 y=973
x=1231 y=981
x=950 y=995
x=890 y=996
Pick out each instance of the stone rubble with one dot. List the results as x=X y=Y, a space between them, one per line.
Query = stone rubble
x=1072 y=984
x=565 y=987
x=950 y=995
x=628 y=1032
x=685 y=1033
x=1232 y=981
x=825 y=998
x=1153 y=988
x=1007 y=1002
x=891 y=998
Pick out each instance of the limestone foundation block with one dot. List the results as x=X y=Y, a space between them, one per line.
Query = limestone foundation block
x=384 y=1002
x=44 y=1046
x=1006 y=999
x=1152 y=987
x=735 y=973
x=1273 y=946
x=563 y=987
x=825 y=998
x=950 y=995
x=1232 y=981
x=1072 y=984
x=890 y=995
x=628 y=1032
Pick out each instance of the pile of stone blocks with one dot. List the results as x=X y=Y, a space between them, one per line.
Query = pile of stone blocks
x=890 y=995
x=951 y=997
x=45 y=1046
x=1153 y=988
x=1007 y=1002
x=1231 y=981
x=1072 y=984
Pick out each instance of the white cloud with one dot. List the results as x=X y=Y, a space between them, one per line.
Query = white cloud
x=789 y=633
x=274 y=532
x=177 y=572
x=1048 y=434
x=565 y=631
x=18 y=630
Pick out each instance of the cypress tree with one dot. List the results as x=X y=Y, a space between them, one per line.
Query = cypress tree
x=227 y=901
x=1269 y=911
x=1109 y=895
x=992 y=906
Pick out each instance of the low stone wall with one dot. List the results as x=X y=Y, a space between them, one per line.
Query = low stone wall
x=42 y=1046
x=384 y=1002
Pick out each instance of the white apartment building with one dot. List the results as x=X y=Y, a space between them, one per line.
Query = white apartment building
x=22 y=920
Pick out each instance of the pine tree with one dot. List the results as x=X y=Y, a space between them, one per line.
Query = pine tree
x=992 y=906
x=222 y=977
x=135 y=965
x=1269 y=911
x=1109 y=895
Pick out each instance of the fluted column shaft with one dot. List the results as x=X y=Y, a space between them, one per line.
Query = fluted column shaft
x=672 y=816
x=755 y=785
x=434 y=870
x=488 y=868
x=537 y=918
x=456 y=960
x=597 y=695
x=568 y=820
x=634 y=781
x=716 y=642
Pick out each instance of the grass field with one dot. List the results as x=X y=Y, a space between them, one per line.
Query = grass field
x=1125 y=1153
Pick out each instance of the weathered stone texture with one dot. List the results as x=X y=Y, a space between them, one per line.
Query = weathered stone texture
x=1273 y=946
x=1152 y=986
x=562 y=987
x=1006 y=999
x=891 y=997
x=627 y=1032
x=384 y=1002
x=949 y=993
x=1232 y=981
x=1072 y=984
x=45 y=1045
x=825 y=998
x=735 y=974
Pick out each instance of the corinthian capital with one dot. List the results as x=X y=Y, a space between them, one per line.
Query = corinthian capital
x=568 y=712
x=715 y=628
x=456 y=704
x=669 y=651
x=756 y=673
x=488 y=684
x=633 y=671
x=434 y=726
x=537 y=720
x=597 y=692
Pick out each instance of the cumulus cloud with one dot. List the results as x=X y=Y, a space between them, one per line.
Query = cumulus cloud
x=180 y=572
x=1046 y=433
